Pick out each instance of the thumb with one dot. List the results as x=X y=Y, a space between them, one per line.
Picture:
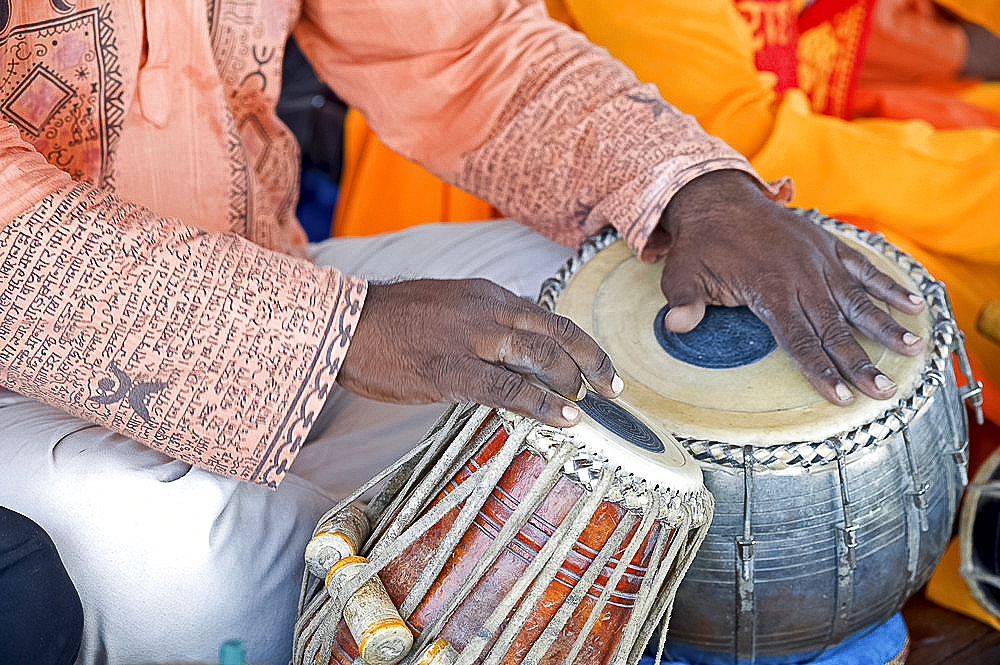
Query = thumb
x=683 y=318
x=687 y=304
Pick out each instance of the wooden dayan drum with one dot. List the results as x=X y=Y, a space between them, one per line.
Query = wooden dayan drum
x=827 y=518
x=503 y=540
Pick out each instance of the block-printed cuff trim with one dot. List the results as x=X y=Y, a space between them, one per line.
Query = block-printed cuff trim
x=311 y=396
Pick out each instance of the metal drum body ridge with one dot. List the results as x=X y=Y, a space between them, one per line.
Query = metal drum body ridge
x=799 y=559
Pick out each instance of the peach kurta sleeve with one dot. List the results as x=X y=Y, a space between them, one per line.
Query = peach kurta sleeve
x=518 y=109
x=202 y=345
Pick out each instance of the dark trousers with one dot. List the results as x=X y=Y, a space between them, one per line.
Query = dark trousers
x=41 y=619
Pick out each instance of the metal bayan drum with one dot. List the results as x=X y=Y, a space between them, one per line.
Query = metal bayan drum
x=503 y=540
x=827 y=518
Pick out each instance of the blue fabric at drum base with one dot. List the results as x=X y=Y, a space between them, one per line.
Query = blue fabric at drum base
x=884 y=644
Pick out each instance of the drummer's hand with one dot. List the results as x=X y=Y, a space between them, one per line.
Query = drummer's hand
x=730 y=245
x=426 y=341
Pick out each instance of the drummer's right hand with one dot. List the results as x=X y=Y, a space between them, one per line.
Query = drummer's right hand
x=730 y=245
x=426 y=341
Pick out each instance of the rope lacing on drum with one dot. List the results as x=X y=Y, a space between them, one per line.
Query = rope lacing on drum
x=946 y=337
x=629 y=490
x=405 y=516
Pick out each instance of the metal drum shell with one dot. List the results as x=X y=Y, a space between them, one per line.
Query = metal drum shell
x=804 y=592
x=799 y=550
x=979 y=535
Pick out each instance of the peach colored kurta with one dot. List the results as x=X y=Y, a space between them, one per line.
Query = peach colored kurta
x=153 y=273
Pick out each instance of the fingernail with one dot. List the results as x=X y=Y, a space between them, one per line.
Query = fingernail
x=617 y=385
x=883 y=382
x=910 y=339
x=581 y=393
x=843 y=392
x=915 y=299
x=570 y=413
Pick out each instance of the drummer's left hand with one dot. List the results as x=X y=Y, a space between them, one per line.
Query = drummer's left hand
x=730 y=245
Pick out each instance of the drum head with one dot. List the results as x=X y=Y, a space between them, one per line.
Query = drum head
x=726 y=380
x=635 y=446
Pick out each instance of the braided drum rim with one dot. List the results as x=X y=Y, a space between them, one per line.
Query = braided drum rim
x=805 y=454
x=630 y=491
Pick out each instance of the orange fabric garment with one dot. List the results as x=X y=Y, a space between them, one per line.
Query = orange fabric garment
x=911 y=68
x=775 y=37
x=153 y=279
x=912 y=42
x=934 y=193
x=382 y=192
x=904 y=179
x=832 y=38
x=500 y=117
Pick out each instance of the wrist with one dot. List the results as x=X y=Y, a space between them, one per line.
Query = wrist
x=715 y=192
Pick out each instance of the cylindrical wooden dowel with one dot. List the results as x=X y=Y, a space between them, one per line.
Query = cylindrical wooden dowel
x=338 y=538
x=374 y=622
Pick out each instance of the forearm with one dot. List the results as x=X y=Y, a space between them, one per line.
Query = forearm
x=570 y=169
x=517 y=109
x=25 y=176
x=712 y=43
x=204 y=346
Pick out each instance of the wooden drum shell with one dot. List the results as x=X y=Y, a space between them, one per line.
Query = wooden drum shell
x=400 y=574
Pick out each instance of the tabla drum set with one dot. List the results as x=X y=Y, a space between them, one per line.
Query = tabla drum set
x=719 y=493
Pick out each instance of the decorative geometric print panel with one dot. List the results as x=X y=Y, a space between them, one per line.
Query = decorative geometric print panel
x=60 y=83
